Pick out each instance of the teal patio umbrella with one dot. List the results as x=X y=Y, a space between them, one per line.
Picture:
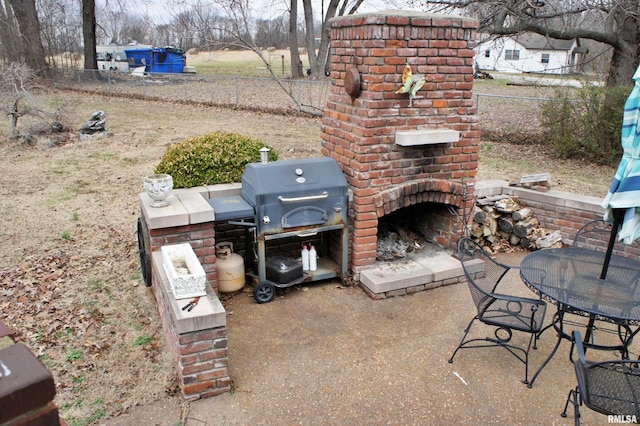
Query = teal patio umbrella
x=622 y=202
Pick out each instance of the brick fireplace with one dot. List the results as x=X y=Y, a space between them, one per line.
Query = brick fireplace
x=398 y=152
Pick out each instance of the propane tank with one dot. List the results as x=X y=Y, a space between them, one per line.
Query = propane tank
x=230 y=266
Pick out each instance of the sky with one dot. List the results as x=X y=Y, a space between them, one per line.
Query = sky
x=157 y=9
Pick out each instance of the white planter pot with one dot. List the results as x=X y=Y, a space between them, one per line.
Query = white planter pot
x=158 y=188
x=185 y=273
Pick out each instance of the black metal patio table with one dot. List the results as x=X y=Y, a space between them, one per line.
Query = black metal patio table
x=570 y=279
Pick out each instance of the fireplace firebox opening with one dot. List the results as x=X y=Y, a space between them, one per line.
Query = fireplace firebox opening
x=412 y=231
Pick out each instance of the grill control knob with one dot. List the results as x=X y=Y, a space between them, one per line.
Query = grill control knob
x=299 y=172
x=266 y=220
x=337 y=208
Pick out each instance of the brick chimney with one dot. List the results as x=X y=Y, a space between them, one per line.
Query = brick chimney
x=395 y=151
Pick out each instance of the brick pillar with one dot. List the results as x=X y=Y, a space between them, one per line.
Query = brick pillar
x=27 y=388
x=360 y=131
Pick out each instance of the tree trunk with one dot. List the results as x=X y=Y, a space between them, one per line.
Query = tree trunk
x=325 y=39
x=310 y=39
x=32 y=51
x=626 y=54
x=89 y=34
x=9 y=34
x=296 y=63
x=319 y=62
x=14 y=113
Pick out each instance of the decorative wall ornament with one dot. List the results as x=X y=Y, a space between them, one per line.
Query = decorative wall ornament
x=410 y=84
x=352 y=83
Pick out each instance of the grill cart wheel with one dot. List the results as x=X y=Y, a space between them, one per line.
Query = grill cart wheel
x=145 y=261
x=264 y=292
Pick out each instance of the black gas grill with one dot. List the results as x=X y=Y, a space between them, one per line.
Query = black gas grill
x=291 y=198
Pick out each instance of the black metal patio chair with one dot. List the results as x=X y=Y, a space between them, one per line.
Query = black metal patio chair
x=607 y=387
x=593 y=235
x=504 y=312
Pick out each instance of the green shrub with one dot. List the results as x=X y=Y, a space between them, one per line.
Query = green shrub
x=587 y=126
x=211 y=159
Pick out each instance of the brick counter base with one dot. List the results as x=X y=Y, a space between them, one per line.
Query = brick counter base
x=200 y=349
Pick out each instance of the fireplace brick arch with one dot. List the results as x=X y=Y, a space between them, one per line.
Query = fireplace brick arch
x=419 y=191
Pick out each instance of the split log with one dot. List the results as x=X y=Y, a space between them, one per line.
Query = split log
x=521 y=214
x=506 y=205
x=548 y=240
x=490 y=200
x=522 y=228
x=493 y=239
x=526 y=243
x=476 y=230
x=488 y=210
x=479 y=216
x=491 y=225
x=505 y=224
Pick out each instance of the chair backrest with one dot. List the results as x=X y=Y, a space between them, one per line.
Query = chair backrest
x=608 y=387
x=594 y=235
x=482 y=271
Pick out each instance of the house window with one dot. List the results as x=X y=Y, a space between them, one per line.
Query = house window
x=487 y=53
x=512 y=55
x=545 y=58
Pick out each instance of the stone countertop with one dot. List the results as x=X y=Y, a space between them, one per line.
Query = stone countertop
x=190 y=206
x=187 y=206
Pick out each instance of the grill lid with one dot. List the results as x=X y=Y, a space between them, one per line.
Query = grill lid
x=291 y=180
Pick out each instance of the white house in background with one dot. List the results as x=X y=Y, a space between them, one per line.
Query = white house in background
x=529 y=53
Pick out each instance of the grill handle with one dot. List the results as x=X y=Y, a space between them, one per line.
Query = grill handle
x=324 y=194
x=307 y=234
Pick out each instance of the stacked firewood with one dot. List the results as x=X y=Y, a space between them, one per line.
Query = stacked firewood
x=504 y=222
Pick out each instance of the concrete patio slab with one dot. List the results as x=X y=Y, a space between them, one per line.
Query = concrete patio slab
x=330 y=355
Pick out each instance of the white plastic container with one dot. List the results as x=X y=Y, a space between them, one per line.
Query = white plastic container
x=305 y=258
x=313 y=259
x=186 y=274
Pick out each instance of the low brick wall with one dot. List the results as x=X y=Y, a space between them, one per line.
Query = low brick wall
x=198 y=339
